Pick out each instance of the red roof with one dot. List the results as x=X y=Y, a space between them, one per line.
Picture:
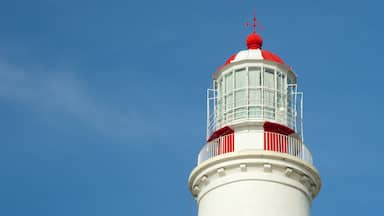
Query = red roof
x=255 y=42
x=267 y=55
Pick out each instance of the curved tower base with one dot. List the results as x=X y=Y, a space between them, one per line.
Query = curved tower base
x=252 y=183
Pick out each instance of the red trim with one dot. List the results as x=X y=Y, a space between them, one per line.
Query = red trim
x=285 y=144
x=275 y=142
x=230 y=59
x=267 y=55
x=277 y=128
x=225 y=144
x=221 y=132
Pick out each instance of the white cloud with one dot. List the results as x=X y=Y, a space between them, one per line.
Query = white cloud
x=63 y=94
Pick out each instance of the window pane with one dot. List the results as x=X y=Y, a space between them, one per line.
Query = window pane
x=289 y=80
x=255 y=112
x=220 y=109
x=280 y=101
x=269 y=113
x=219 y=96
x=221 y=89
x=279 y=81
x=240 y=98
x=254 y=96
x=229 y=102
x=269 y=78
x=229 y=116
x=228 y=83
x=269 y=98
x=281 y=110
x=241 y=78
x=290 y=107
x=241 y=113
x=254 y=76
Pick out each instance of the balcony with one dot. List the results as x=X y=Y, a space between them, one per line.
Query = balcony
x=275 y=142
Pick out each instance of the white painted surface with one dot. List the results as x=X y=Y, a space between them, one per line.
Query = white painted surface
x=246 y=139
x=249 y=54
x=253 y=198
x=253 y=183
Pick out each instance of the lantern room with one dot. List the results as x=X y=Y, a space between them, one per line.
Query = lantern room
x=254 y=103
x=254 y=90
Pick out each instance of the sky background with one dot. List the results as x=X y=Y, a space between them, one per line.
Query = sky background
x=102 y=103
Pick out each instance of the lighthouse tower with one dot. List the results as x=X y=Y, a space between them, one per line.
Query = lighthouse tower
x=255 y=162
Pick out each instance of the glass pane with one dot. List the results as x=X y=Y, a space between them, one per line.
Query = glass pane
x=228 y=83
x=219 y=98
x=289 y=80
x=281 y=111
x=269 y=78
x=279 y=81
x=221 y=90
x=241 y=113
x=290 y=107
x=229 y=116
x=241 y=78
x=269 y=98
x=269 y=113
x=229 y=102
x=255 y=112
x=280 y=101
x=240 y=98
x=254 y=76
x=255 y=96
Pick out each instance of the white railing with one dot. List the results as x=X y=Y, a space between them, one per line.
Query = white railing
x=276 y=142
x=220 y=145
x=291 y=145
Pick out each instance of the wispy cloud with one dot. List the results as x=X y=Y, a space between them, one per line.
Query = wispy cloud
x=63 y=94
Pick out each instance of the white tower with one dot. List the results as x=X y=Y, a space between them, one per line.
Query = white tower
x=255 y=161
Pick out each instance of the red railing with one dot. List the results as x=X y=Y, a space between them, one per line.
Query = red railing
x=218 y=146
x=275 y=142
x=272 y=142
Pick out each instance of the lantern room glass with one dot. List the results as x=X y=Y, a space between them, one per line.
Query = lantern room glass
x=258 y=93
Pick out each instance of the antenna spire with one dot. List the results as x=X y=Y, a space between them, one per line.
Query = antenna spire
x=254 y=22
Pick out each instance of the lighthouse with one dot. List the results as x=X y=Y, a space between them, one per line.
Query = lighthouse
x=254 y=161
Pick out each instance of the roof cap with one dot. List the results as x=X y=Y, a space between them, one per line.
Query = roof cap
x=254 y=41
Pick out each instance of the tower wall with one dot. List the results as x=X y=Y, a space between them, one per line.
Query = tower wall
x=251 y=183
x=254 y=197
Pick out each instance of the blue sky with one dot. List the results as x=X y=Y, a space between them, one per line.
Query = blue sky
x=102 y=103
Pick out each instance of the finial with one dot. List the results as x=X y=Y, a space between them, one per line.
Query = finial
x=254 y=41
x=254 y=24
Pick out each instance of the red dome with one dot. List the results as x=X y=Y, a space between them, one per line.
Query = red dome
x=267 y=55
x=254 y=41
x=254 y=44
x=230 y=59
